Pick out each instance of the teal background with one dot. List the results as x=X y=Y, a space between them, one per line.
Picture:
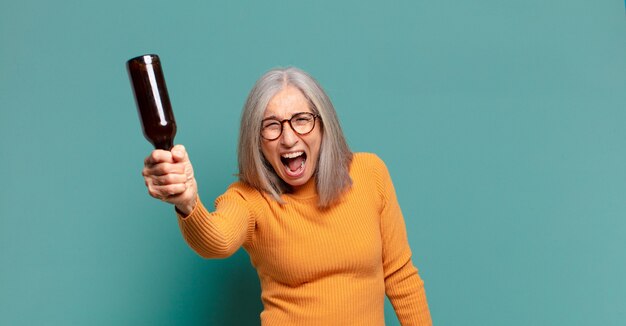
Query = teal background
x=502 y=123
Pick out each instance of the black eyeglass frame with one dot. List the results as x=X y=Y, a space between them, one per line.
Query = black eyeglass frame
x=282 y=123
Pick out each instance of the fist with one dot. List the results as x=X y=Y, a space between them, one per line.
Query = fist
x=169 y=177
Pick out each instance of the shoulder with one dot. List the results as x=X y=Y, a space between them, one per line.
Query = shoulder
x=368 y=161
x=242 y=188
x=240 y=191
x=369 y=168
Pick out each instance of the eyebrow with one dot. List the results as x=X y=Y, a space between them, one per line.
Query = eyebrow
x=276 y=118
x=271 y=117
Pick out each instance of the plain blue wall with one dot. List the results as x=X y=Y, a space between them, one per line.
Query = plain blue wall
x=502 y=123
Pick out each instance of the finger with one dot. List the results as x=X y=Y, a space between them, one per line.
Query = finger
x=179 y=154
x=164 y=192
x=169 y=179
x=158 y=156
x=163 y=169
x=173 y=190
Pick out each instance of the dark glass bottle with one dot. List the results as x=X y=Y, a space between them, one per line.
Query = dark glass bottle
x=153 y=102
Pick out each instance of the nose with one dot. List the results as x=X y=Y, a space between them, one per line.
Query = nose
x=289 y=137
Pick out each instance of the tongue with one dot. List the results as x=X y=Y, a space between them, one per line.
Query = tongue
x=295 y=163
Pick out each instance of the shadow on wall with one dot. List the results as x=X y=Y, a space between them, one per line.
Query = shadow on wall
x=224 y=291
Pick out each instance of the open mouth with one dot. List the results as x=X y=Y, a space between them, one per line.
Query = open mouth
x=294 y=163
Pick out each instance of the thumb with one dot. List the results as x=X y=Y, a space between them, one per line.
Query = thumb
x=179 y=154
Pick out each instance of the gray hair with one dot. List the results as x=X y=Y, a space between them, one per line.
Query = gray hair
x=332 y=172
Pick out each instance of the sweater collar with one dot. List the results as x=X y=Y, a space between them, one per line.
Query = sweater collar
x=305 y=191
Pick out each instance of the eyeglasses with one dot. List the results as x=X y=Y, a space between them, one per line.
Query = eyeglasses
x=302 y=123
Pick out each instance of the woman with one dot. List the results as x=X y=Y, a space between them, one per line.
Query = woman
x=322 y=226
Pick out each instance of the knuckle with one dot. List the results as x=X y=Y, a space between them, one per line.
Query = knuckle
x=168 y=168
x=165 y=179
x=175 y=189
x=167 y=190
x=160 y=169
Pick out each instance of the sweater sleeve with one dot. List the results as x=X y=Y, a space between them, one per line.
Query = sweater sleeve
x=221 y=233
x=403 y=285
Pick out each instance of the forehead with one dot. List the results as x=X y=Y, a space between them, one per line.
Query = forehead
x=286 y=103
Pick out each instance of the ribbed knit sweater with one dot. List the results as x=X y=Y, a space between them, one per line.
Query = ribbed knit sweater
x=319 y=266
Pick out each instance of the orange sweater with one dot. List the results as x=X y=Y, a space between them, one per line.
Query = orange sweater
x=319 y=267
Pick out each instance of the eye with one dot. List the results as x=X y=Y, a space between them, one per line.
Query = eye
x=271 y=124
x=302 y=119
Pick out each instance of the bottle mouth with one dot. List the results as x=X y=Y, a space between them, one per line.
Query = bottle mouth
x=145 y=59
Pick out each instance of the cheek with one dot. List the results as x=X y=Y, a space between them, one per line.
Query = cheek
x=317 y=144
x=267 y=151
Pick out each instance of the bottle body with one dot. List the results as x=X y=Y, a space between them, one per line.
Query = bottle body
x=153 y=102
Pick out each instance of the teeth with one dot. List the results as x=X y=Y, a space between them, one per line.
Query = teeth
x=292 y=155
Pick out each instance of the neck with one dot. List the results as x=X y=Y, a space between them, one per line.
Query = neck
x=307 y=190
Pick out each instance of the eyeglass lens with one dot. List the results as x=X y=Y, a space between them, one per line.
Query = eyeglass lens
x=302 y=123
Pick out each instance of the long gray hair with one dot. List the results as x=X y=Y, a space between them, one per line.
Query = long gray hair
x=332 y=173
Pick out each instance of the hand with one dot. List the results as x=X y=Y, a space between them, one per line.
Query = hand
x=169 y=177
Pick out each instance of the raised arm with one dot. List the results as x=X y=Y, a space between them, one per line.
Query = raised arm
x=221 y=233
x=169 y=177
